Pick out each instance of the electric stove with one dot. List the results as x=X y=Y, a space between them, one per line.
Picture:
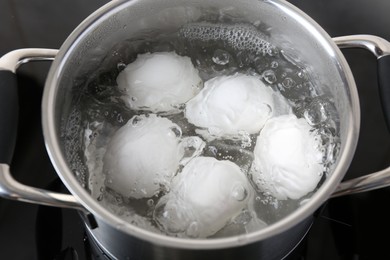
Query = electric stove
x=349 y=227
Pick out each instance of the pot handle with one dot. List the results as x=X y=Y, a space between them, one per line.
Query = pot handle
x=381 y=49
x=9 y=187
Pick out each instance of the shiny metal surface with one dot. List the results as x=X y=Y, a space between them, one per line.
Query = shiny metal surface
x=376 y=45
x=12 y=60
x=380 y=48
x=369 y=182
x=11 y=189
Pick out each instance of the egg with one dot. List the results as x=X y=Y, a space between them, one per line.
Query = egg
x=142 y=156
x=229 y=105
x=159 y=82
x=287 y=158
x=204 y=197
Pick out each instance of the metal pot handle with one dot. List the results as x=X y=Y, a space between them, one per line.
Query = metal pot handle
x=9 y=187
x=381 y=49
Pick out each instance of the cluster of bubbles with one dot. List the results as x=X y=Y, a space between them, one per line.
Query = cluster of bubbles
x=239 y=37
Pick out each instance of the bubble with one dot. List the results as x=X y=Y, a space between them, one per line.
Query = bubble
x=302 y=74
x=177 y=131
x=136 y=121
x=288 y=83
x=239 y=36
x=213 y=150
x=221 y=57
x=239 y=193
x=269 y=76
x=121 y=66
x=119 y=118
x=119 y=199
x=100 y=197
x=150 y=202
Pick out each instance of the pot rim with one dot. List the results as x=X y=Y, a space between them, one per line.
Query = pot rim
x=70 y=181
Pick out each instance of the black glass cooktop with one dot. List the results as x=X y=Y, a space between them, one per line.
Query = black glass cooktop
x=349 y=227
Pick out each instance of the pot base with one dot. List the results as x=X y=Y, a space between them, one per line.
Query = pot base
x=287 y=245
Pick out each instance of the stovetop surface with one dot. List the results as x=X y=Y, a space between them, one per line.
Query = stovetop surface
x=349 y=227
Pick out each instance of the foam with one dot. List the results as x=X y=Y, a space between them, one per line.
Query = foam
x=240 y=37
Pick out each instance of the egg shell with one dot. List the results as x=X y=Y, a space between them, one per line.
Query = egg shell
x=228 y=105
x=143 y=155
x=207 y=192
x=288 y=159
x=159 y=81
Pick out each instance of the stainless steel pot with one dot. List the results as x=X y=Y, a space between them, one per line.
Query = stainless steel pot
x=84 y=51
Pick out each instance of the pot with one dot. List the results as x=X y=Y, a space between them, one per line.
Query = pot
x=87 y=47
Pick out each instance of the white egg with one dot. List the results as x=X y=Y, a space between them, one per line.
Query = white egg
x=143 y=155
x=288 y=160
x=228 y=105
x=204 y=197
x=159 y=81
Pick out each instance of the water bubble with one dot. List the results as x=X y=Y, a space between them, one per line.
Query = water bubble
x=221 y=57
x=121 y=66
x=100 y=197
x=269 y=76
x=302 y=74
x=272 y=51
x=176 y=130
x=245 y=138
x=213 y=150
x=118 y=199
x=239 y=193
x=119 y=118
x=150 y=202
x=288 y=83
x=136 y=121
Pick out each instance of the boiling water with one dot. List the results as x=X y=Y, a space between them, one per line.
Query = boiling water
x=215 y=49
